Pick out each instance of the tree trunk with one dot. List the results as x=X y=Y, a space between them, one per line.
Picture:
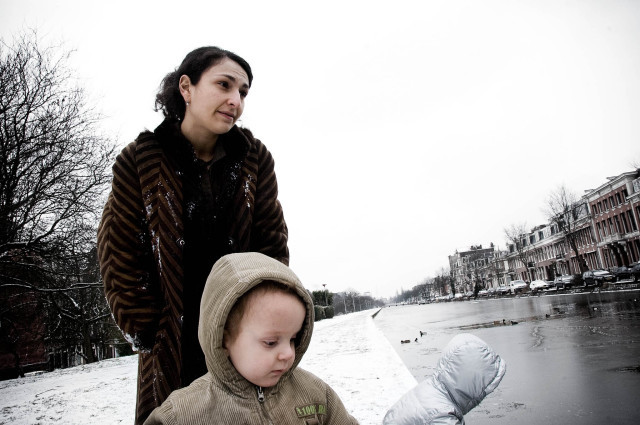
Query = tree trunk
x=86 y=344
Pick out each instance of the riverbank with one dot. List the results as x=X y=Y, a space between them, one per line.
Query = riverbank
x=349 y=352
x=572 y=358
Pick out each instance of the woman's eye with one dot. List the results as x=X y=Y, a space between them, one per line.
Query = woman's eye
x=243 y=93
x=224 y=84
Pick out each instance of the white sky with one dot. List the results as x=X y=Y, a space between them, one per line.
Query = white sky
x=401 y=130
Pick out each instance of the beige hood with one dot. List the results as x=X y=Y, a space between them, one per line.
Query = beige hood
x=231 y=277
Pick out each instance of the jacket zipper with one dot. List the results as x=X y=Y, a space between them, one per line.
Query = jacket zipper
x=260 y=394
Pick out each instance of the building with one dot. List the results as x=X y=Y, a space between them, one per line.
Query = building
x=555 y=249
x=599 y=231
x=615 y=211
x=471 y=266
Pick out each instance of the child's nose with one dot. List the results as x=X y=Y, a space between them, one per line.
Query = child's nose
x=288 y=352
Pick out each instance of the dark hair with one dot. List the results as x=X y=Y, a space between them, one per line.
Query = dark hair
x=169 y=100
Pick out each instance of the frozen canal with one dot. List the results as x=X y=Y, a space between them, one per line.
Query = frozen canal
x=571 y=359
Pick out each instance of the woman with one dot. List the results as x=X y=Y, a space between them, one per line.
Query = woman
x=184 y=195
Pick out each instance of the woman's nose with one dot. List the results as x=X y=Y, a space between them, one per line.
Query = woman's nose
x=235 y=99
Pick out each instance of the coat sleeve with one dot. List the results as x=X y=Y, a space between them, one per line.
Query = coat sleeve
x=427 y=403
x=269 y=234
x=162 y=415
x=337 y=414
x=126 y=258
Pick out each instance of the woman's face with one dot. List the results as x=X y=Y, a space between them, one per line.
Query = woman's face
x=217 y=101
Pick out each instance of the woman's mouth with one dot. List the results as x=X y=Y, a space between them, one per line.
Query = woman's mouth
x=227 y=116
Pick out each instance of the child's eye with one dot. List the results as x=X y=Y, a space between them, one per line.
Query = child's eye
x=270 y=343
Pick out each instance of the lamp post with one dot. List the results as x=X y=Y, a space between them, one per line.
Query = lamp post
x=326 y=302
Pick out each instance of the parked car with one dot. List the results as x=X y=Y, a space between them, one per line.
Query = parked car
x=564 y=281
x=483 y=293
x=635 y=271
x=501 y=290
x=540 y=285
x=598 y=277
x=517 y=286
x=621 y=273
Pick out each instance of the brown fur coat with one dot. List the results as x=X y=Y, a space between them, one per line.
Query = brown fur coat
x=141 y=243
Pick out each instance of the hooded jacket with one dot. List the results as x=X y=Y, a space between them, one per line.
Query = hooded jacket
x=149 y=281
x=223 y=396
x=467 y=372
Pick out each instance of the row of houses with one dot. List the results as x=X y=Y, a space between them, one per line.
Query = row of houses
x=28 y=342
x=599 y=230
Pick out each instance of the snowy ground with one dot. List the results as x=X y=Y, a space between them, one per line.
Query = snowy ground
x=348 y=352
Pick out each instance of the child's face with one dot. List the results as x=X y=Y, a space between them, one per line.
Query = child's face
x=263 y=348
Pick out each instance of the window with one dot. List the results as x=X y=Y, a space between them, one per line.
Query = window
x=611 y=229
x=618 y=198
x=625 y=226
x=632 y=220
x=606 y=206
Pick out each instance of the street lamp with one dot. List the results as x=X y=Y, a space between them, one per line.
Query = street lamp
x=326 y=301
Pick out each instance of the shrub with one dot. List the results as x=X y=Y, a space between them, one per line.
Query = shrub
x=319 y=311
x=329 y=312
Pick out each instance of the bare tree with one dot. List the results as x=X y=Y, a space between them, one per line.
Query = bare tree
x=351 y=295
x=444 y=280
x=54 y=169
x=516 y=235
x=569 y=213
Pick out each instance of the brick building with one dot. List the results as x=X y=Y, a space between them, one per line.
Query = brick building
x=605 y=228
x=615 y=213
x=471 y=265
x=606 y=231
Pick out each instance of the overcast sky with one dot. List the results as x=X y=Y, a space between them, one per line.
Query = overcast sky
x=402 y=130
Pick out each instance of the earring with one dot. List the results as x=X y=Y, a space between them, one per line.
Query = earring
x=187 y=103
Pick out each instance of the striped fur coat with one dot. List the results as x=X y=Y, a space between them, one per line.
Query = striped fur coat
x=141 y=243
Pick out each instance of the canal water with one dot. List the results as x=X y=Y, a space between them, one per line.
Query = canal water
x=571 y=358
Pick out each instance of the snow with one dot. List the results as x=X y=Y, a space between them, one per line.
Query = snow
x=349 y=352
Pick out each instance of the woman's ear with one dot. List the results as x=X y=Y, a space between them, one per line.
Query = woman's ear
x=185 y=88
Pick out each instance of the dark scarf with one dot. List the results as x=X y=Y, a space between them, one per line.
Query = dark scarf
x=208 y=190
